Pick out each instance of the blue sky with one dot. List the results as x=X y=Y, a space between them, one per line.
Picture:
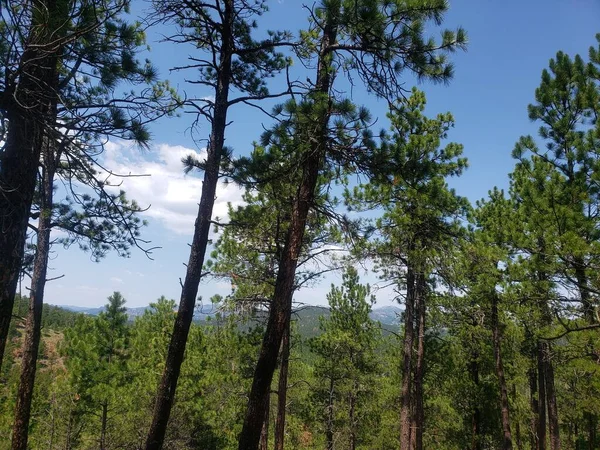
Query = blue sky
x=510 y=43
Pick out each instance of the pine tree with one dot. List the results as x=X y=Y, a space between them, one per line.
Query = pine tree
x=419 y=223
x=97 y=352
x=346 y=363
x=556 y=192
x=230 y=62
x=486 y=254
x=370 y=42
x=248 y=251
x=61 y=65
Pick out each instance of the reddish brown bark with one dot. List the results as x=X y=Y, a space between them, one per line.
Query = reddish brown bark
x=420 y=362
x=264 y=432
x=407 y=351
x=282 y=390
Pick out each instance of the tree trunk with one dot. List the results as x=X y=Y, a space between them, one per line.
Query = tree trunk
x=351 y=416
x=330 y=416
x=533 y=384
x=504 y=407
x=553 y=426
x=592 y=424
x=30 y=108
x=519 y=437
x=69 y=429
x=166 y=391
x=420 y=363
x=406 y=389
x=36 y=300
x=104 y=420
x=476 y=417
x=541 y=432
x=264 y=432
x=587 y=302
x=282 y=390
x=281 y=307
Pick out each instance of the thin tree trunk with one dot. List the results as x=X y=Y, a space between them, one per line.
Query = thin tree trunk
x=104 y=420
x=420 y=363
x=589 y=313
x=476 y=416
x=264 y=432
x=166 y=391
x=282 y=390
x=592 y=424
x=406 y=389
x=33 y=326
x=504 y=407
x=541 y=398
x=587 y=303
x=281 y=307
x=69 y=430
x=330 y=416
x=553 y=426
x=533 y=384
x=518 y=423
x=31 y=109
x=352 y=418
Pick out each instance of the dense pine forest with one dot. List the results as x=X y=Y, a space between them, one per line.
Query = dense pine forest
x=494 y=342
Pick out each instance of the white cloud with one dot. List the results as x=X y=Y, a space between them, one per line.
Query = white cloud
x=161 y=184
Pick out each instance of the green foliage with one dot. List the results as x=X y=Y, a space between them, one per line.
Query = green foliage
x=346 y=363
x=96 y=352
x=523 y=268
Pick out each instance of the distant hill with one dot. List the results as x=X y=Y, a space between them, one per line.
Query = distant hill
x=387 y=315
x=308 y=316
x=132 y=313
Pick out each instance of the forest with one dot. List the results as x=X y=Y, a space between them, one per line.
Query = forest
x=495 y=343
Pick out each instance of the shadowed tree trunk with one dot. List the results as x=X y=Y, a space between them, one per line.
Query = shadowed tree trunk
x=264 y=432
x=282 y=390
x=497 y=343
x=36 y=300
x=104 y=422
x=592 y=424
x=553 y=426
x=587 y=302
